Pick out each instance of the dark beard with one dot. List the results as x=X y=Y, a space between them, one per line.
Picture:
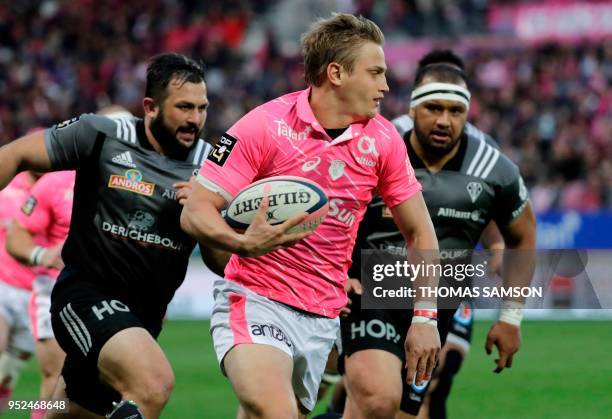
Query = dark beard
x=166 y=138
x=432 y=149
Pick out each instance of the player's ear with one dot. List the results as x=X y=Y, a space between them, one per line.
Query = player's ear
x=334 y=73
x=411 y=113
x=150 y=107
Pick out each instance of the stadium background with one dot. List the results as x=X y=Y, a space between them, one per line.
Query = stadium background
x=540 y=77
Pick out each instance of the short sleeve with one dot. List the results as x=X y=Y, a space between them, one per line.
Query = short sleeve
x=396 y=181
x=71 y=142
x=510 y=201
x=237 y=158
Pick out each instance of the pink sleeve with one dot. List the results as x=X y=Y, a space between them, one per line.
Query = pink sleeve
x=238 y=157
x=396 y=180
x=35 y=214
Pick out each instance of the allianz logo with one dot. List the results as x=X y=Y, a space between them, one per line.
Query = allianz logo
x=462 y=215
x=284 y=130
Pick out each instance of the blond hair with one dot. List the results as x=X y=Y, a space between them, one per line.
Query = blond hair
x=336 y=40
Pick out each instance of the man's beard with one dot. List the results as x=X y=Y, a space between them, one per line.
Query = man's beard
x=430 y=147
x=166 y=138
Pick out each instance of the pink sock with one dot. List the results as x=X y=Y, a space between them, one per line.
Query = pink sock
x=38 y=414
x=5 y=396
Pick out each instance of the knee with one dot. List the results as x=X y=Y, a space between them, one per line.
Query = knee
x=373 y=401
x=154 y=390
x=379 y=406
x=270 y=410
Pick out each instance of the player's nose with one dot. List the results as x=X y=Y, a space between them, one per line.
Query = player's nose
x=444 y=119
x=196 y=118
x=385 y=86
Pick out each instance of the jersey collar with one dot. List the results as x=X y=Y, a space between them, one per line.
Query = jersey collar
x=304 y=112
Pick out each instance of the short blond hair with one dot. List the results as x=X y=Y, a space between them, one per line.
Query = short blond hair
x=336 y=40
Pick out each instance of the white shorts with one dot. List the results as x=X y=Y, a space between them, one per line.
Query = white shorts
x=40 y=304
x=14 y=309
x=241 y=316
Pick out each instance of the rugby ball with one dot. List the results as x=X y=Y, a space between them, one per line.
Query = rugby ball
x=287 y=195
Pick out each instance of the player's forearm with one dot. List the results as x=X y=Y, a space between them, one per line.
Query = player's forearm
x=412 y=218
x=424 y=250
x=206 y=225
x=518 y=266
x=519 y=260
x=20 y=244
x=8 y=166
x=26 y=153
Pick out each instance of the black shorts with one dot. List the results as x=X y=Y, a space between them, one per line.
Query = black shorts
x=84 y=319
x=386 y=330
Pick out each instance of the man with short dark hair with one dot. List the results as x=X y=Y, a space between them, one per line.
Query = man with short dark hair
x=125 y=254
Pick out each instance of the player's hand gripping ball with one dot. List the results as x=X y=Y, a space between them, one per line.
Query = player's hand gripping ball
x=287 y=196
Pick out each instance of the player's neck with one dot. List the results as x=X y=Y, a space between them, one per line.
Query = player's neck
x=178 y=154
x=433 y=162
x=327 y=108
x=151 y=139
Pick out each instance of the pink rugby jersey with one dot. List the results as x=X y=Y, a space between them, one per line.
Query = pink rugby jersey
x=47 y=212
x=283 y=137
x=11 y=199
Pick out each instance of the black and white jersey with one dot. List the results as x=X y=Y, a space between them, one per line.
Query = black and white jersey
x=477 y=185
x=125 y=235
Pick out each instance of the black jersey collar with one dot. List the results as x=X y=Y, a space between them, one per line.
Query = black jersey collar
x=453 y=164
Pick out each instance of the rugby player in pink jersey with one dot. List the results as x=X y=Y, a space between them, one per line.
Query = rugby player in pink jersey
x=36 y=237
x=275 y=316
x=16 y=344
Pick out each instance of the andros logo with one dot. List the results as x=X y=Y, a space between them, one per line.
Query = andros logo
x=132 y=182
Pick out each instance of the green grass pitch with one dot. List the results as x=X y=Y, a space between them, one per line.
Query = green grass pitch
x=564 y=370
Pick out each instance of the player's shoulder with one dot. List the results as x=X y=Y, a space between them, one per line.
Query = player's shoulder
x=257 y=122
x=122 y=127
x=403 y=124
x=381 y=127
x=476 y=133
x=276 y=107
x=382 y=122
x=485 y=160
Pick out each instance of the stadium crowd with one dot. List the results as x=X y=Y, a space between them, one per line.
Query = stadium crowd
x=549 y=106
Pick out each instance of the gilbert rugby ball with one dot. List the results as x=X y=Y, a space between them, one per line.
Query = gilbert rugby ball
x=287 y=195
